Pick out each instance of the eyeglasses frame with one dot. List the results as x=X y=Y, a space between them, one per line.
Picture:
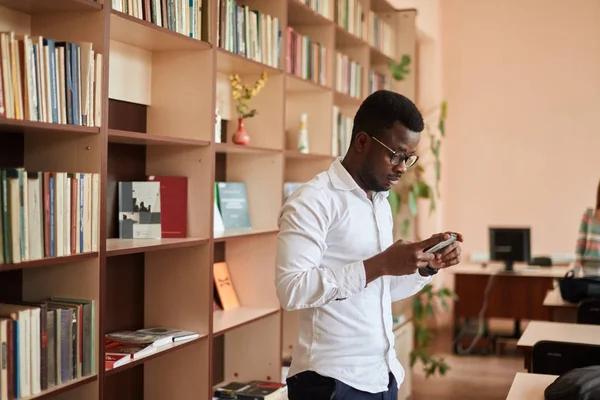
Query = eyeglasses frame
x=395 y=153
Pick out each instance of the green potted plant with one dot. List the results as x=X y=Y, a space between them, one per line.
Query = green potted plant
x=415 y=187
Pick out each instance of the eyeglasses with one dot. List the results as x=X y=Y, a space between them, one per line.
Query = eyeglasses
x=396 y=158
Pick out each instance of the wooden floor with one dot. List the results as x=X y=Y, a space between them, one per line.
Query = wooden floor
x=470 y=377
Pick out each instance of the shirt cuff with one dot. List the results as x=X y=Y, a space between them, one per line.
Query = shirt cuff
x=350 y=278
x=422 y=279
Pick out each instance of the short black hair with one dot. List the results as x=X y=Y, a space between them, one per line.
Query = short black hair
x=381 y=110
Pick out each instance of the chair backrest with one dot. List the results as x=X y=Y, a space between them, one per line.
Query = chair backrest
x=556 y=358
x=588 y=312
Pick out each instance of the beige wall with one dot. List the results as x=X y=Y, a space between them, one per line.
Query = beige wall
x=429 y=91
x=522 y=78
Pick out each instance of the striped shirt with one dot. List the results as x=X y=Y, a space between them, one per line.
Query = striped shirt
x=588 y=241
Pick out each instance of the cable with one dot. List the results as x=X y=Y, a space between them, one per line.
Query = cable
x=481 y=320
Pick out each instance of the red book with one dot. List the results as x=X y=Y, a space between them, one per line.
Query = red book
x=173 y=205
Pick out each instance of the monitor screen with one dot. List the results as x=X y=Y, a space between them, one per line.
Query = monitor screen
x=510 y=245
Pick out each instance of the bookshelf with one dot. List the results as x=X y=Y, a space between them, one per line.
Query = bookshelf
x=149 y=94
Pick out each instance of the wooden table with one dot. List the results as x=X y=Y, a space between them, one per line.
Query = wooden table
x=560 y=310
x=516 y=295
x=529 y=386
x=557 y=331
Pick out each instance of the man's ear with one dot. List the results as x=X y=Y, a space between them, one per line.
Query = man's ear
x=361 y=141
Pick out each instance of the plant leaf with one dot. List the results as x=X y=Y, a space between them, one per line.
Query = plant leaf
x=444 y=110
x=423 y=336
x=442 y=127
x=394 y=200
x=405 y=226
x=430 y=311
x=412 y=203
x=444 y=303
x=422 y=189
x=436 y=148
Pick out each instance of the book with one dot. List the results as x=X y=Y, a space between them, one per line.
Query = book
x=233 y=205
x=252 y=390
x=178 y=335
x=139 y=210
x=174 y=205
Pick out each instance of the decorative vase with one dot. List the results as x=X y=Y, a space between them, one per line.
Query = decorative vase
x=241 y=136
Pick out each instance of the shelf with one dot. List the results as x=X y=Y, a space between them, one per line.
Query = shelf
x=343 y=38
x=301 y=14
x=294 y=83
x=119 y=247
x=23 y=126
x=162 y=350
x=241 y=149
x=231 y=63
x=380 y=6
x=56 y=390
x=50 y=6
x=117 y=136
x=231 y=234
x=379 y=58
x=226 y=320
x=345 y=100
x=45 y=262
x=293 y=154
x=146 y=35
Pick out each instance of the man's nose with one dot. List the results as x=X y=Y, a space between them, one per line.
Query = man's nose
x=400 y=168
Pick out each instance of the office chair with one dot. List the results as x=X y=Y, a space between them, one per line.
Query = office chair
x=556 y=358
x=588 y=312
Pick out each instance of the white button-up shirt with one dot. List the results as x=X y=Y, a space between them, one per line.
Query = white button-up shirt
x=327 y=228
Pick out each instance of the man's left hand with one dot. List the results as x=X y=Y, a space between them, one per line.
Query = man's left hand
x=450 y=255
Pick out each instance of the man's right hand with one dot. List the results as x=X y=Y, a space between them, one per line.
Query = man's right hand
x=401 y=258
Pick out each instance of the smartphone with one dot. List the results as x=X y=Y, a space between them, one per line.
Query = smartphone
x=440 y=246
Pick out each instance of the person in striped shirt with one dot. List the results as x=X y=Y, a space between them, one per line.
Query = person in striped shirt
x=587 y=260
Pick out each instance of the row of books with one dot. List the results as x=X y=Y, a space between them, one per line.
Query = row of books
x=378 y=81
x=45 y=344
x=249 y=33
x=322 y=7
x=342 y=132
x=381 y=34
x=305 y=58
x=348 y=75
x=181 y=16
x=50 y=81
x=351 y=16
x=47 y=214
x=122 y=347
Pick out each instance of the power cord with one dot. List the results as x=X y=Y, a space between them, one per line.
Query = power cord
x=481 y=321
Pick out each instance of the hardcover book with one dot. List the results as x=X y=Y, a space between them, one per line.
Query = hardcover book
x=174 y=204
x=139 y=210
x=233 y=205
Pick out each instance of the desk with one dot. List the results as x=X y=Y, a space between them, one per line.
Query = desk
x=557 y=331
x=529 y=386
x=560 y=310
x=516 y=295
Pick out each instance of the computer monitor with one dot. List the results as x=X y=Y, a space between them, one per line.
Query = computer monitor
x=510 y=245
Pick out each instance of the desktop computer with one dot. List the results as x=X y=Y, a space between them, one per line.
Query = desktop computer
x=510 y=245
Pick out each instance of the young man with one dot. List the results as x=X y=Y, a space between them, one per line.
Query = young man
x=337 y=262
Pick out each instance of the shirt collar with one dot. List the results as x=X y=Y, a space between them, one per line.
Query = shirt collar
x=342 y=180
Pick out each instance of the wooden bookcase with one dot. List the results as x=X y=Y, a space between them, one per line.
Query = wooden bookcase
x=157 y=98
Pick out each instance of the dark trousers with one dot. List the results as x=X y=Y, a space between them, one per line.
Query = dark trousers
x=309 y=385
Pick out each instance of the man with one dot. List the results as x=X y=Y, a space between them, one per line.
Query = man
x=337 y=263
